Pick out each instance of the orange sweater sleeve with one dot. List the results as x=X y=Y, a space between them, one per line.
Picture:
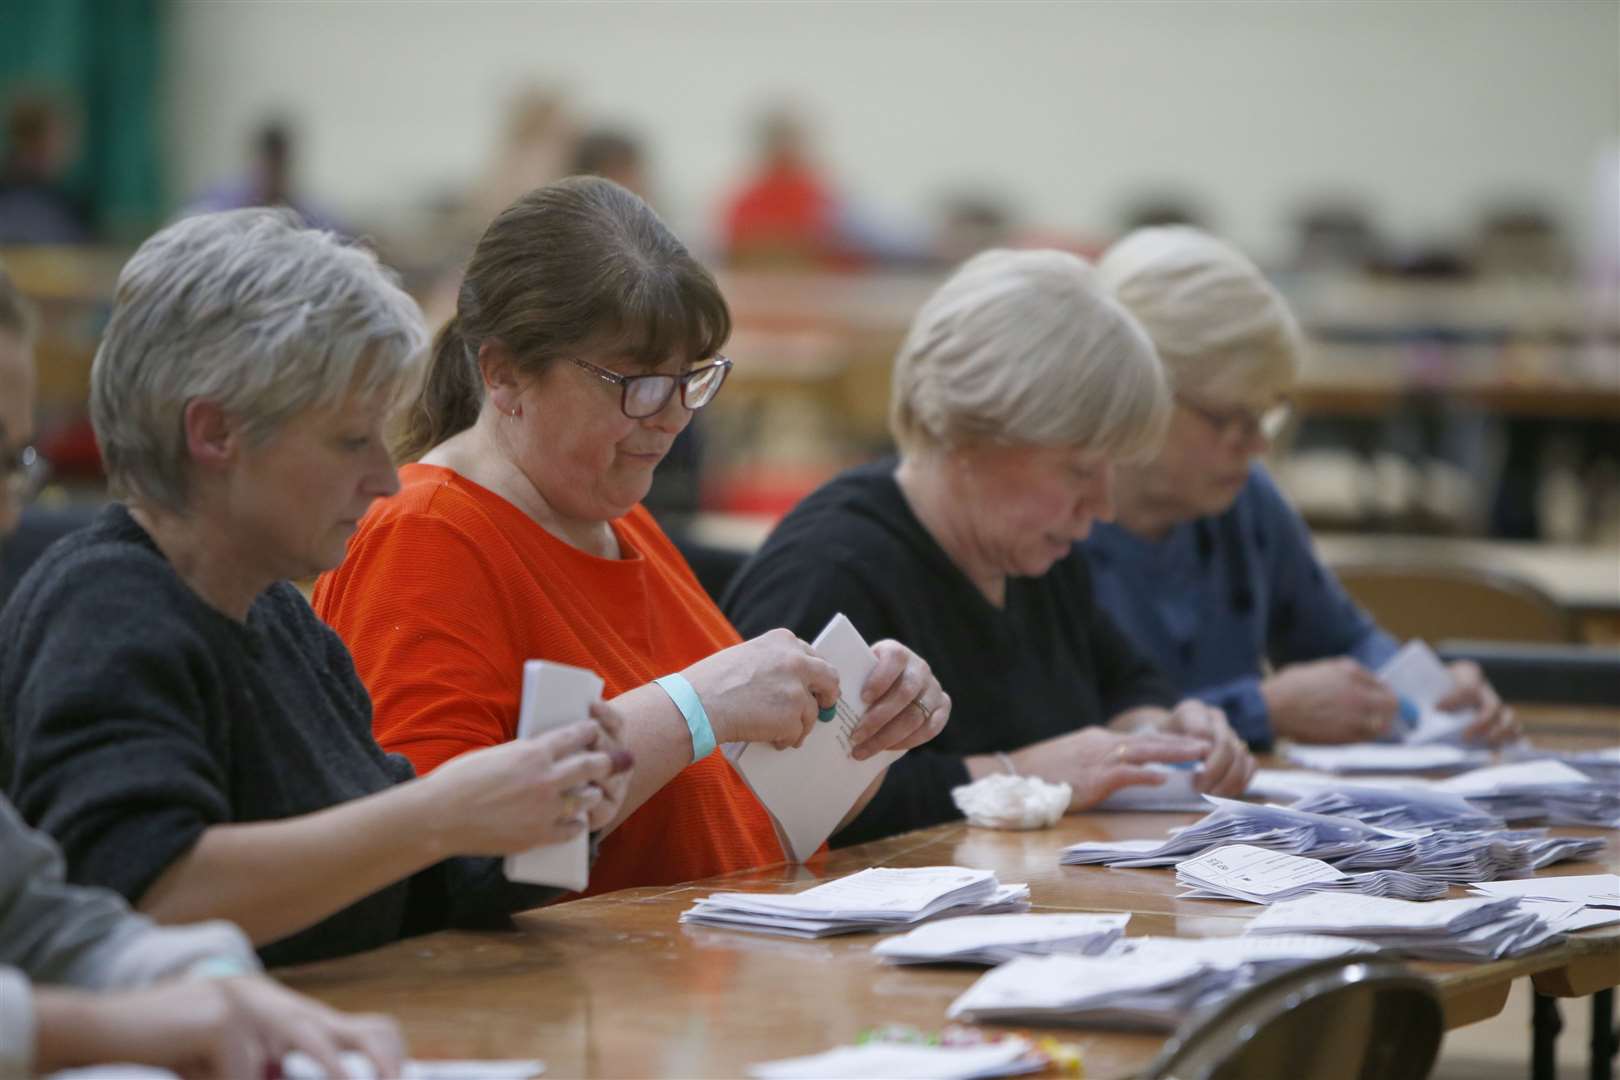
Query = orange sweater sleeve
x=460 y=693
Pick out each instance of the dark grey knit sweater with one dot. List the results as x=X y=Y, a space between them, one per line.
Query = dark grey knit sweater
x=133 y=716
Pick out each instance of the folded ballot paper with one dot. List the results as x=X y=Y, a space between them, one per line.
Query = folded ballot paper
x=1417 y=674
x=554 y=695
x=809 y=789
x=1545 y=790
x=995 y=939
x=876 y=899
x=1410 y=805
x=1477 y=928
x=1603 y=765
x=895 y=1061
x=1140 y=983
x=1243 y=872
x=1574 y=902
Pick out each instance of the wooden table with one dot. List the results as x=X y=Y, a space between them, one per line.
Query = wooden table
x=614 y=986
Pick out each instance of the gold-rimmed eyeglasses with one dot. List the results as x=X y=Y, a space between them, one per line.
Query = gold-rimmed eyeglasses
x=641 y=396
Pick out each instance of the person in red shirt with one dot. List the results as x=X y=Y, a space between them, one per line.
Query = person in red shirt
x=584 y=338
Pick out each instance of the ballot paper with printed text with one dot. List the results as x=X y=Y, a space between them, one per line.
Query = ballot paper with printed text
x=554 y=695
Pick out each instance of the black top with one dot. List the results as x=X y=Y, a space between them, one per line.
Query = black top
x=1048 y=662
x=133 y=716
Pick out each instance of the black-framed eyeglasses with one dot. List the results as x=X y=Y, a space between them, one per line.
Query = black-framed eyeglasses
x=641 y=396
x=25 y=470
x=1243 y=424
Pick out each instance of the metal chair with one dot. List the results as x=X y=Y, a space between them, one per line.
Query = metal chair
x=1441 y=602
x=1335 y=1019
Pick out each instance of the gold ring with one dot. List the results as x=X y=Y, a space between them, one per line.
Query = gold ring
x=570 y=806
x=916 y=703
x=1119 y=752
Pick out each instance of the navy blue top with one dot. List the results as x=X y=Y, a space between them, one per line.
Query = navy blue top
x=1218 y=595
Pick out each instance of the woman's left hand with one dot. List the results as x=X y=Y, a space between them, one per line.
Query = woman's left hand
x=1228 y=767
x=905 y=705
x=1496 y=723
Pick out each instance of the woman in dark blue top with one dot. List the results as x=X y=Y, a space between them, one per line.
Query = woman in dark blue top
x=1206 y=566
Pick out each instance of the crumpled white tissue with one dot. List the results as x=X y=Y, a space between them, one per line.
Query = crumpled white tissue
x=1000 y=801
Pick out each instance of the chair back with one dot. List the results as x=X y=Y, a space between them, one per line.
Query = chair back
x=1437 y=603
x=1337 y=1019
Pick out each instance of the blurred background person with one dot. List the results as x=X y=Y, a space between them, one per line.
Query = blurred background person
x=41 y=142
x=271 y=179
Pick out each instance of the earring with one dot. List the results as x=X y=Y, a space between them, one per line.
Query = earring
x=517 y=411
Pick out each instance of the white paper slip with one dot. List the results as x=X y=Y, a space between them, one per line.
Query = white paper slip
x=1235 y=952
x=300 y=1066
x=1567 y=917
x=1069 y=987
x=1382 y=757
x=1178 y=792
x=1415 y=672
x=1009 y=1057
x=995 y=939
x=1595 y=890
x=554 y=695
x=809 y=789
x=1287 y=785
x=1518 y=777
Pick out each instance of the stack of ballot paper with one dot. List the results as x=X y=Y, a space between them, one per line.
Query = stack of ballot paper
x=1243 y=872
x=875 y=899
x=898 y=1061
x=1277 y=828
x=1549 y=790
x=1477 y=928
x=1597 y=894
x=1601 y=764
x=1460 y=857
x=1142 y=982
x=1402 y=806
x=1384 y=757
x=995 y=939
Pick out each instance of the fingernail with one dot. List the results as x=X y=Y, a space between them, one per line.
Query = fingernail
x=824 y=715
x=620 y=761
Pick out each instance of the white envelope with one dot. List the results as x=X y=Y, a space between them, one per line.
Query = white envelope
x=554 y=695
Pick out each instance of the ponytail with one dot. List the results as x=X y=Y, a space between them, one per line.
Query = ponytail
x=452 y=393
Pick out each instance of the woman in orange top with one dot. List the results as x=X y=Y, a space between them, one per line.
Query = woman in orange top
x=584 y=337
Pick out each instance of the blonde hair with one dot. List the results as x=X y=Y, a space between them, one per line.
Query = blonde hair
x=1026 y=347
x=1213 y=317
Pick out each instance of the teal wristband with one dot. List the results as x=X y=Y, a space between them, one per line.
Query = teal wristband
x=220 y=967
x=697 y=721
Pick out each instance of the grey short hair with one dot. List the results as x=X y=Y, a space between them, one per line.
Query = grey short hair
x=1214 y=318
x=1025 y=347
x=249 y=309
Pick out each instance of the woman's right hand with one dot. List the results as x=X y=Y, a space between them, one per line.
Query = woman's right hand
x=1329 y=701
x=518 y=795
x=768 y=689
x=209 y=1028
x=1096 y=762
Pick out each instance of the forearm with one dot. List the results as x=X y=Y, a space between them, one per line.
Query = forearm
x=72 y=1029
x=657 y=737
x=275 y=878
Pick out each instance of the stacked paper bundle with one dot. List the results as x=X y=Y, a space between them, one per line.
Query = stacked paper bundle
x=1277 y=828
x=875 y=899
x=1143 y=982
x=1244 y=872
x=1403 y=806
x=995 y=939
x=1551 y=790
x=1462 y=856
x=1597 y=894
x=1601 y=765
x=1482 y=928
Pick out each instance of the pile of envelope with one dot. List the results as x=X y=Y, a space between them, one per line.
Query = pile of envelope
x=995 y=939
x=874 y=899
x=1245 y=872
x=1476 y=928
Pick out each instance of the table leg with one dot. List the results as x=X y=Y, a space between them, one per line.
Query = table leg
x=1545 y=1024
x=1604 y=1043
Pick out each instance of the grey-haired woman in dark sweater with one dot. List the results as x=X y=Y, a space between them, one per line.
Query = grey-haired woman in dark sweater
x=171 y=711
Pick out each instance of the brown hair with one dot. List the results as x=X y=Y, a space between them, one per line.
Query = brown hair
x=16 y=313
x=579 y=264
